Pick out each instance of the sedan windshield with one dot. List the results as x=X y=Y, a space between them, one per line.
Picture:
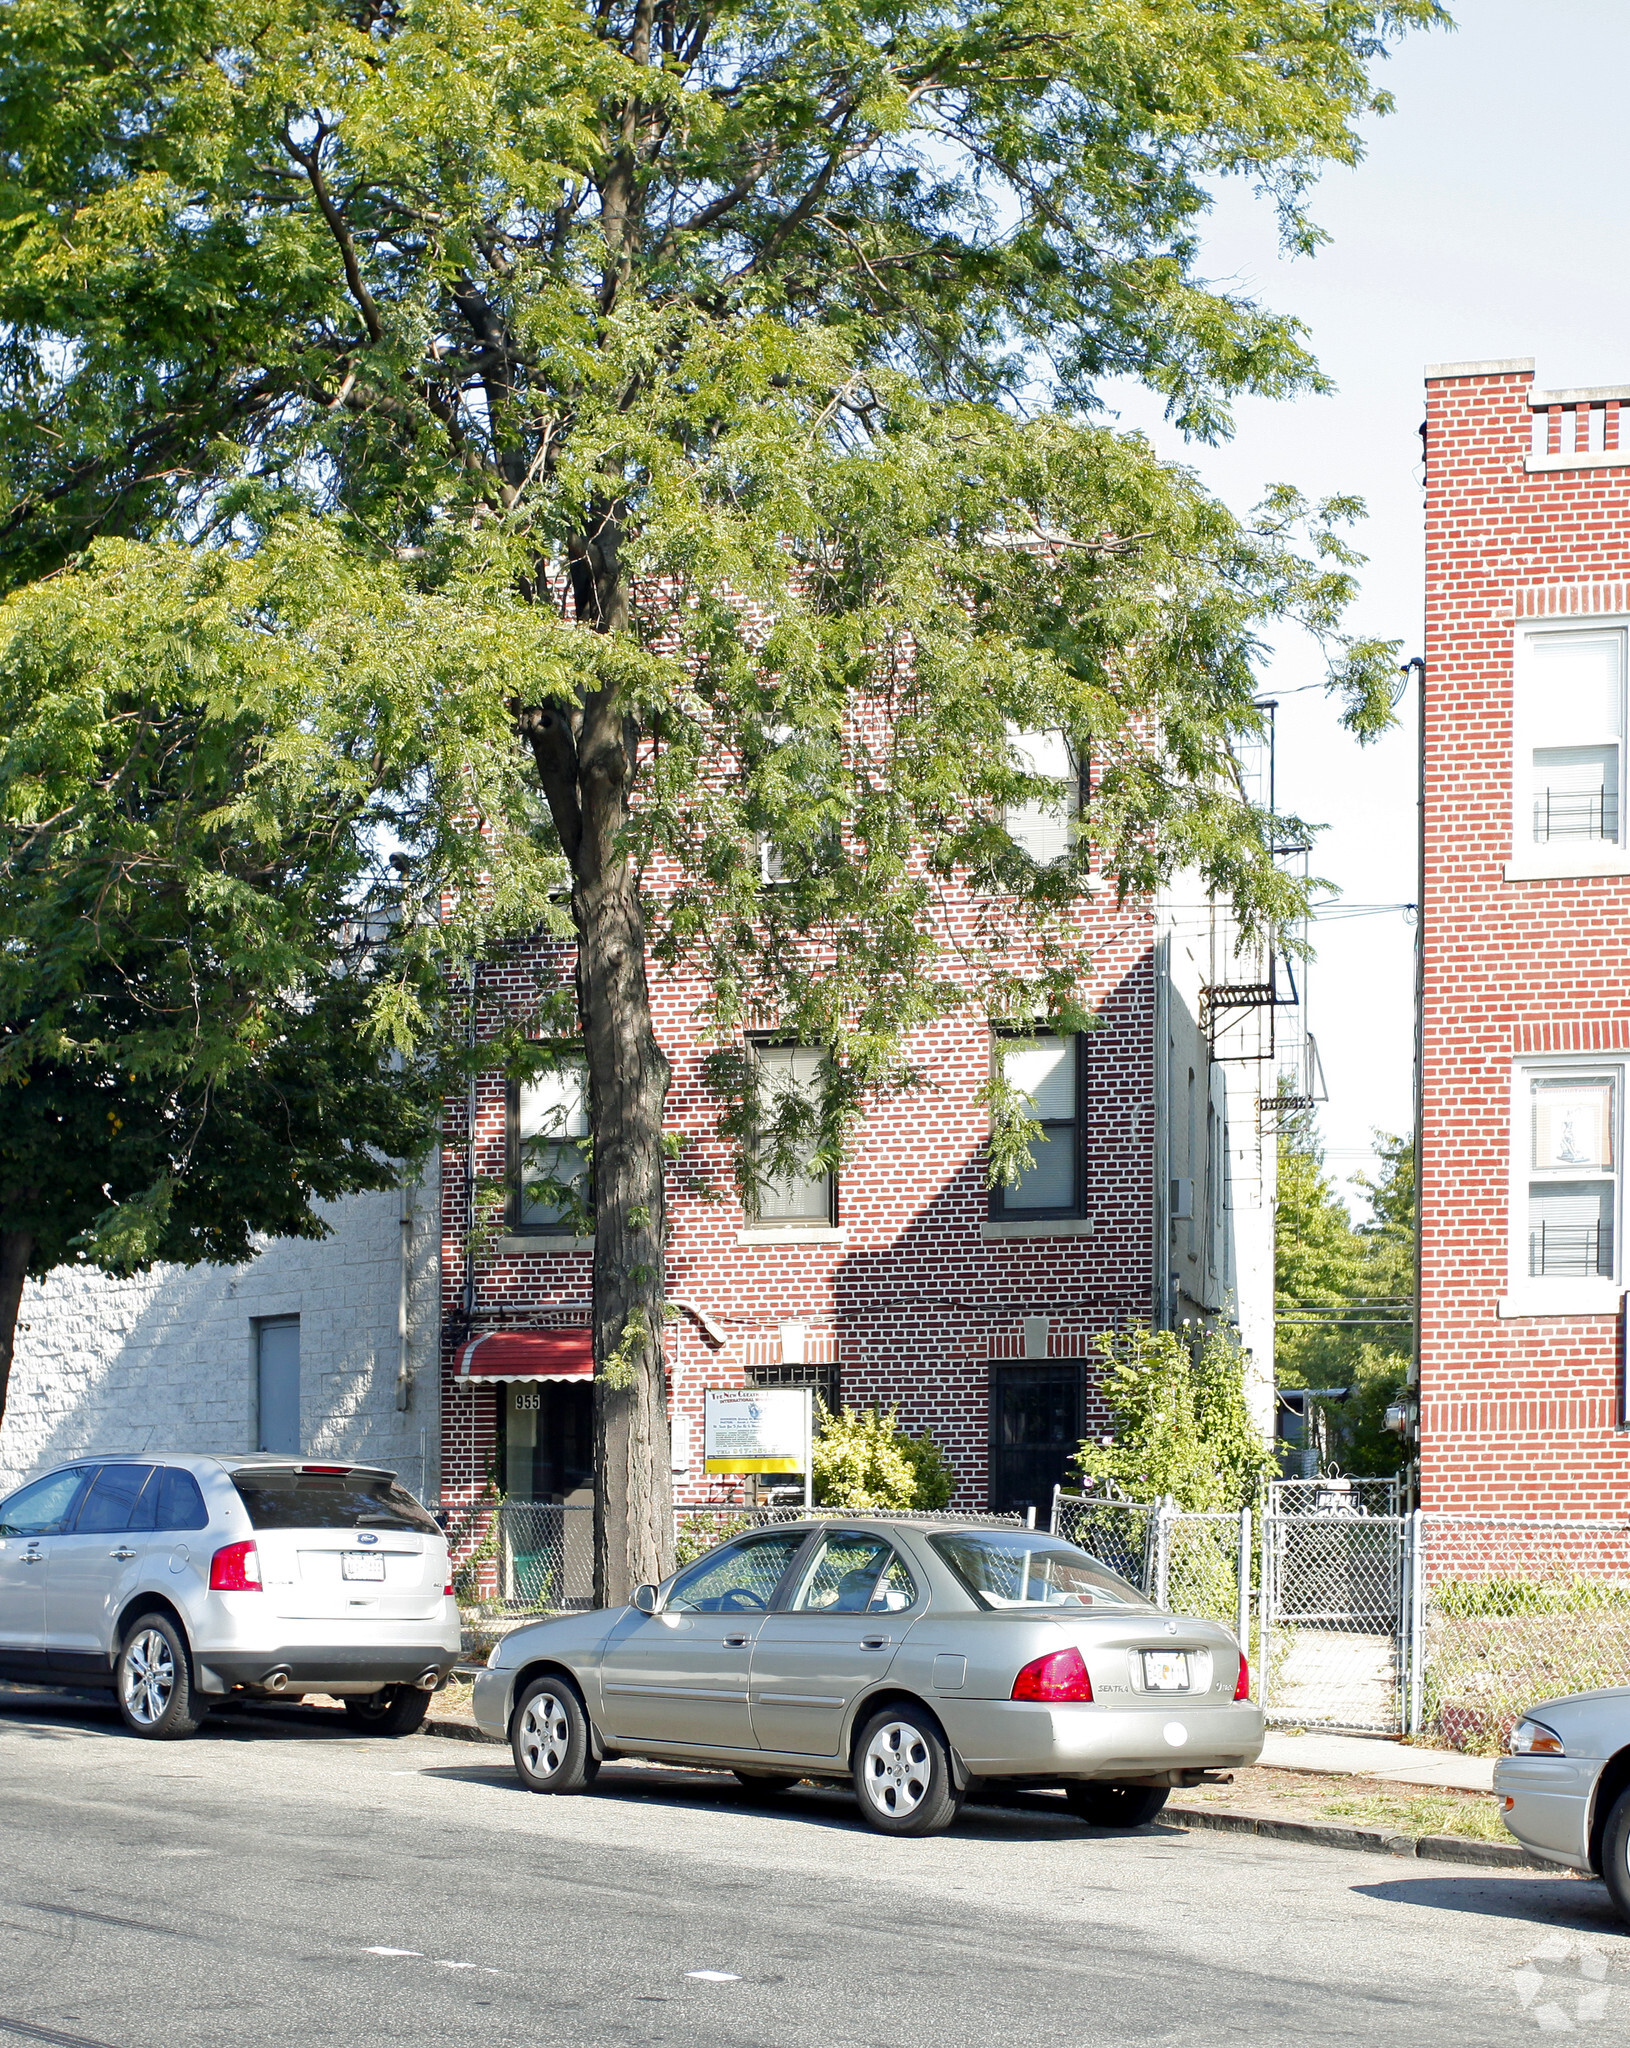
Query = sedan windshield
x=1021 y=1568
x=328 y=1500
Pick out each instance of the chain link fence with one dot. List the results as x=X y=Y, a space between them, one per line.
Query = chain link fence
x=1511 y=1612
x=1187 y=1562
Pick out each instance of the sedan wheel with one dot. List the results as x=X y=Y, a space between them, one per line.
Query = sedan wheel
x=549 y=1738
x=1616 y=1855
x=155 y=1680
x=903 y=1774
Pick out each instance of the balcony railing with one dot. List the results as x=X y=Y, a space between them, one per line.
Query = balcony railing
x=1576 y=814
x=1571 y=1250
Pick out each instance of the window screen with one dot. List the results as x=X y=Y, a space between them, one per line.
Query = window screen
x=1571 y=738
x=789 y=1085
x=549 y=1130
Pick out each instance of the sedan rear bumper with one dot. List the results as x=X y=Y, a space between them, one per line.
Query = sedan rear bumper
x=1022 y=1738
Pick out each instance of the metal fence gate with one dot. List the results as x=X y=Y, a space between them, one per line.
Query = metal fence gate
x=1333 y=1607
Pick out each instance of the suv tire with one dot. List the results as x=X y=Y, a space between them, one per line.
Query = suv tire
x=153 y=1680
x=903 y=1773
x=1115 y=1806
x=549 y=1738
x=398 y=1710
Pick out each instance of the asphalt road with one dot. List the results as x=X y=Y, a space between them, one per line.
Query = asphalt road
x=280 y=1881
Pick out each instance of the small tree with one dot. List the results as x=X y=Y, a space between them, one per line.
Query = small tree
x=1182 y=1426
x=864 y=1461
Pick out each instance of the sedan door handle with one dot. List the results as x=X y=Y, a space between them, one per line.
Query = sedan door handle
x=738 y=1642
x=875 y=1642
x=33 y=1557
x=121 y=1553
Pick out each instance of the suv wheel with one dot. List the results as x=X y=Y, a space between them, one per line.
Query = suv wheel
x=903 y=1773
x=1115 y=1806
x=154 y=1680
x=549 y=1738
x=397 y=1710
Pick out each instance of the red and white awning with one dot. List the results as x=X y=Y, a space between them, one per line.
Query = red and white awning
x=527 y=1355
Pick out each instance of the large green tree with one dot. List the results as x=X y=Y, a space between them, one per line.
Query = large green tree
x=203 y=967
x=1344 y=1292
x=753 y=350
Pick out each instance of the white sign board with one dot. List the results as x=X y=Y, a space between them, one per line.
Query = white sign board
x=762 y=1429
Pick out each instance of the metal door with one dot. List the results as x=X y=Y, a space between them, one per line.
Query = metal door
x=278 y=1366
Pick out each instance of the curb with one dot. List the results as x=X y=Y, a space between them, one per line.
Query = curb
x=1372 y=1841
x=461 y=1731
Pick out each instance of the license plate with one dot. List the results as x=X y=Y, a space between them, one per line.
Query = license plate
x=1165 y=1671
x=362 y=1567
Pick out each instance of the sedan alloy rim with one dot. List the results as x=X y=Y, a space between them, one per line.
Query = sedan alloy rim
x=148 y=1677
x=897 y=1770
x=545 y=1735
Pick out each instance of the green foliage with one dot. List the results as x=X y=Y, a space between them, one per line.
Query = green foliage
x=1177 y=1398
x=212 y=984
x=864 y=1460
x=1355 y=1285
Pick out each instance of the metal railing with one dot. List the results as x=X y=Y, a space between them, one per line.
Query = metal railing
x=1582 y=1249
x=1569 y=814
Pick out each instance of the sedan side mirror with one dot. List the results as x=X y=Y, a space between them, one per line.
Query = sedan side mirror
x=647 y=1599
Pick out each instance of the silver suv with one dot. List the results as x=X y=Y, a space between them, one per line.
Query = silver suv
x=181 y=1581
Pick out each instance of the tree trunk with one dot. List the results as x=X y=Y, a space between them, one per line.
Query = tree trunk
x=586 y=766
x=15 y=1246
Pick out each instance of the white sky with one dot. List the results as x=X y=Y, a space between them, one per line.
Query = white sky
x=1489 y=219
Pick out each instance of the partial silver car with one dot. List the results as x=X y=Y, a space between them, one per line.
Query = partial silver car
x=181 y=1581
x=912 y=1659
x=1564 y=1789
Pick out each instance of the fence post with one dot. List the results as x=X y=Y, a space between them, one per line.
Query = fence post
x=1415 y=1654
x=1052 y=1518
x=1163 y=1551
x=1266 y=1595
x=1243 y=1617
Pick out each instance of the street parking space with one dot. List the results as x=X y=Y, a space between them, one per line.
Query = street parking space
x=281 y=1876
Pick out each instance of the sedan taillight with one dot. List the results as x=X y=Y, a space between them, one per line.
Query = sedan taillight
x=1061 y=1676
x=1242 y=1685
x=236 y=1569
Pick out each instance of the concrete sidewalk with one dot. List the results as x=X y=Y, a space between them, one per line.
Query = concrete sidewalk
x=1372 y=1756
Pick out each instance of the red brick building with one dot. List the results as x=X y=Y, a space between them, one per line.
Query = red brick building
x=903 y=1281
x=1526 y=945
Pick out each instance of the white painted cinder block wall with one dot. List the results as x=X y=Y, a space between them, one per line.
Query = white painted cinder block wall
x=167 y=1361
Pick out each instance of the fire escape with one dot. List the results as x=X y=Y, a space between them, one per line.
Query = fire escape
x=1252 y=1009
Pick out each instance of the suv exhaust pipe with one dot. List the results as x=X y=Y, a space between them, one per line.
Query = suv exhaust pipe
x=427 y=1681
x=276 y=1681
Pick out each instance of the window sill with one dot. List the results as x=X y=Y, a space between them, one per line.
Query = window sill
x=1562 y=1298
x=1579 y=458
x=794 y=1233
x=1554 y=867
x=1036 y=1226
x=507 y=1247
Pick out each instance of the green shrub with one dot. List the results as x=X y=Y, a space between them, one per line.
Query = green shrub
x=865 y=1461
x=1182 y=1428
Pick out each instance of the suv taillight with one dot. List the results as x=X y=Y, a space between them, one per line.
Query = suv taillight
x=1062 y=1676
x=1242 y=1685
x=236 y=1569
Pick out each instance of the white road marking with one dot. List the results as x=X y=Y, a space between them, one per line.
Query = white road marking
x=714 y=1976
x=393 y=1952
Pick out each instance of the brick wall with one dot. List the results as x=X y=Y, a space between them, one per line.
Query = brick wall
x=1518 y=1409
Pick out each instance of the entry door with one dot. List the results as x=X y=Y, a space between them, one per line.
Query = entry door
x=94 y=1567
x=29 y=1529
x=681 y=1675
x=1035 y=1430
x=855 y=1601
x=278 y=1363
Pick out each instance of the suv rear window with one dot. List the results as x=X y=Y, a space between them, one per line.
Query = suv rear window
x=329 y=1500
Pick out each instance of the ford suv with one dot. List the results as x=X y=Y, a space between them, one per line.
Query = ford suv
x=179 y=1582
